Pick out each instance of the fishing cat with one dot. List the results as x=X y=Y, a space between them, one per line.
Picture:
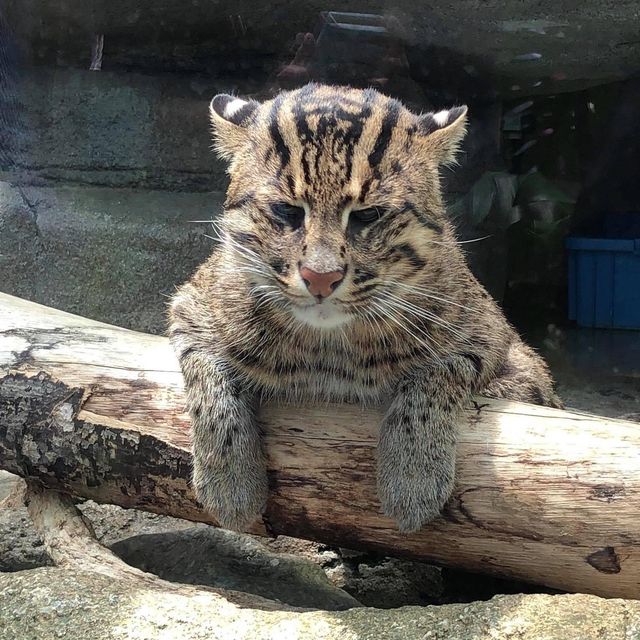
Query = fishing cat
x=338 y=277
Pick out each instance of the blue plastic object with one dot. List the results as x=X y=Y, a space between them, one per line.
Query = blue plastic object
x=604 y=282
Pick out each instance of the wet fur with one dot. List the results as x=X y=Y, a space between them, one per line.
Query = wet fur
x=422 y=336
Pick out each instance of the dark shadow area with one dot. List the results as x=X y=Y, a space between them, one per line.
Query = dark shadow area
x=226 y=560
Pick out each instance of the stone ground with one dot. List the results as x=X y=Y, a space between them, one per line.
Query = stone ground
x=56 y=603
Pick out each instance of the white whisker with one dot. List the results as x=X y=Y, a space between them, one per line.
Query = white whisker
x=387 y=314
x=449 y=243
x=399 y=303
x=429 y=294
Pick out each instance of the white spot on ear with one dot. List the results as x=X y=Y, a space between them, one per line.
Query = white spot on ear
x=234 y=106
x=441 y=118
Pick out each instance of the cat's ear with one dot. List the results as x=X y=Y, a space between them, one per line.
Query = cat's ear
x=231 y=118
x=441 y=133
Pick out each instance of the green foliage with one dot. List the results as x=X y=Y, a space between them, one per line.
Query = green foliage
x=534 y=210
x=505 y=199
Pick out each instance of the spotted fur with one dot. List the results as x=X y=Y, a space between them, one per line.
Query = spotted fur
x=339 y=180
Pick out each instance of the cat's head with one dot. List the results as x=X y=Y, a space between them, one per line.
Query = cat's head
x=334 y=201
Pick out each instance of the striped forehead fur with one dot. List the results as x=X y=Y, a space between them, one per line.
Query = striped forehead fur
x=334 y=134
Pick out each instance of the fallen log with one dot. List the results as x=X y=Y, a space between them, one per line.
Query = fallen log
x=543 y=495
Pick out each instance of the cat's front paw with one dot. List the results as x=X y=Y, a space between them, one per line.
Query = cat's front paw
x=414 y=485
x=413 y=500
x=234 y=491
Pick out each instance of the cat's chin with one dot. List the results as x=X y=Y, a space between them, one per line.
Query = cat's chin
x=321 y=316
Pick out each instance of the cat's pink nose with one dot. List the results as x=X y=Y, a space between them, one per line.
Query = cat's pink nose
x=321 y=285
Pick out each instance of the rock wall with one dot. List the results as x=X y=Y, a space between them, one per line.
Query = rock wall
x=113 y=129
x=110 y=254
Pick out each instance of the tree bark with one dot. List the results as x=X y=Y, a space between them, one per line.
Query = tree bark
x=97 y=411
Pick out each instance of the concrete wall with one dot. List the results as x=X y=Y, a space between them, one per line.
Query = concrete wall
x=114 y=255
x=123 y=129
x=579 y=43
x=135 y=130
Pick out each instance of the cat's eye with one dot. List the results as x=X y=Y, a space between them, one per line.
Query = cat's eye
x=365 y=216
x=289 y=214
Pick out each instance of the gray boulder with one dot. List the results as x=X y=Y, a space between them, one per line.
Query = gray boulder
x=58 y=603
x=114 y=255
x=20 y=546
